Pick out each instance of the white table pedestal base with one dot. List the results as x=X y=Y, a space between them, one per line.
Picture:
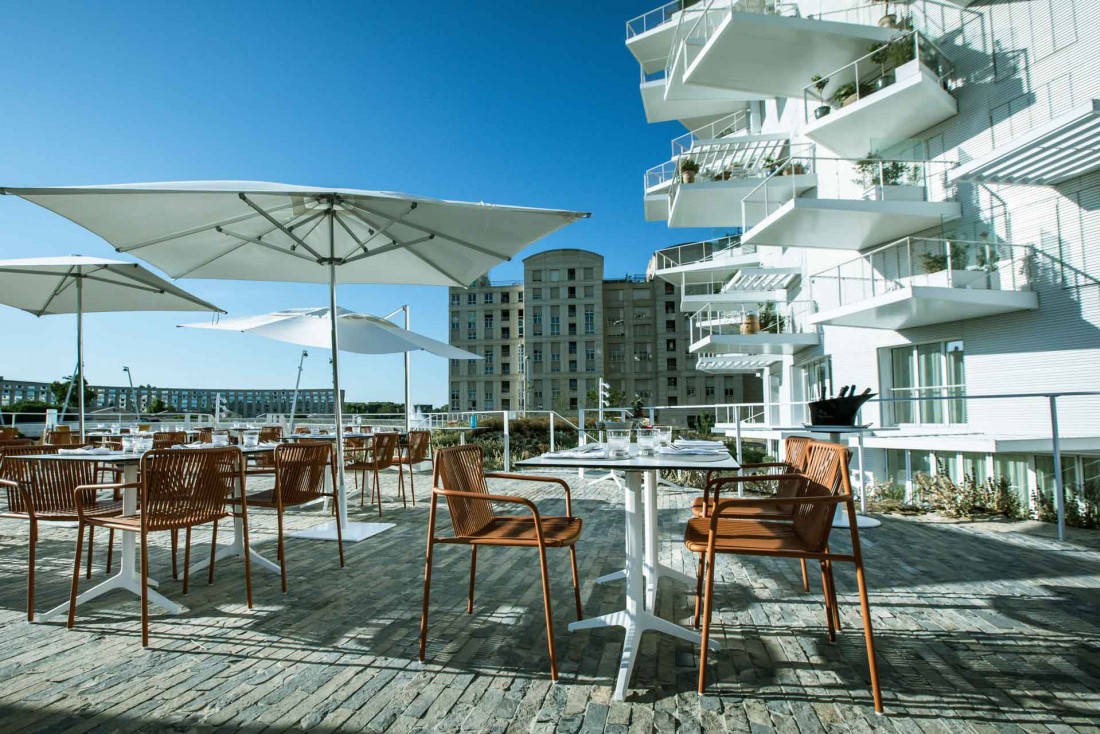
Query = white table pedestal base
x=640 y=588
x=840 y=519
x=352 y=532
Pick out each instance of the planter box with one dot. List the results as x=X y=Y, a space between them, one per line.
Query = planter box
x=894 y=193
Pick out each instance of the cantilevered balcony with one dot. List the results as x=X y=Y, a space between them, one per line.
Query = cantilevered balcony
x=704 y=187
x=704 y=260
x=919 y=282
x=649 y=36
x=764 y=47
x=856 y=205
x=729 y=364
x=775 y=329
x=1057 y=151
x=746 y=286
x=890 y=94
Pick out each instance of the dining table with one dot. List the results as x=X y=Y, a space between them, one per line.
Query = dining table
x=128 y=577
x=642 y=569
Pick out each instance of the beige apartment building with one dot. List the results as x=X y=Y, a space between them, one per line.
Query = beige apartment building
x=548 y=339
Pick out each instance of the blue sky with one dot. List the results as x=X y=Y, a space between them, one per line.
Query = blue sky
x=532 y=104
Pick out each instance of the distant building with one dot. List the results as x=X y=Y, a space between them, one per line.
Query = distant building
x=246 y=403
x=547 y=339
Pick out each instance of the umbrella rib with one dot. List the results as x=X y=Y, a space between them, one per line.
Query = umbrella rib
x=382 y=229
x=206 y=262
x=56 y=291
x=142 y=287
x=261 y=243
x=428 y=230
x=396 y=245
x=196 y=230
x=436 y=268
x=361 y=245
x=263 y=213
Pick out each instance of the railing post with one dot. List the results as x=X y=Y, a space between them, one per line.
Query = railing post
x=552 y=431
x=1059 y=488
x=947 y=248
x=507 y=445
x=582 y=438
x=652 y=419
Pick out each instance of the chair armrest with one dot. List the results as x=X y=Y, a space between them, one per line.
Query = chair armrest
x=78 y=493
x=834 y=499
x=544 y=480
x=765 y=465
x=715 y=485
x=490 y=497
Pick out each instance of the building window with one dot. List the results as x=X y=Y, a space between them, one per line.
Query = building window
x=670 y=306
x=572 y=384
x=455 y=299
x=505 y=297
x=572 y=365
x=536 y=294
x=670 y=382
x=505 y=332
x=471 y=299
x=505 y=368
x=536 y=354
x=589 y=319
x=670 y=363
x=536 y=276
x=670 y=325
x=519 y=297
x=488 y=298
x=572 y=292
x=817 y=379
x=488 y=360
x=555 y=275
x=555 y=324
x=928 y=370
x=589 y=273
x=505 y=386
x=571 y=274
x=555 y=293
x=670 y=345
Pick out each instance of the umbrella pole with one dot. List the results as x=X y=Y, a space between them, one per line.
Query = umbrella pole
x=337 y=408
x=408 y=381
x=79 y=377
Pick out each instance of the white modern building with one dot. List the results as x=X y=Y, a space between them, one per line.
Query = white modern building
x=917 y=190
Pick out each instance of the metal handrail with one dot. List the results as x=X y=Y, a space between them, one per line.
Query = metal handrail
x=721 y=247
x=655 y=18
x=863 y=74
x=732 y=124
x=789 y=318
x=742 y=158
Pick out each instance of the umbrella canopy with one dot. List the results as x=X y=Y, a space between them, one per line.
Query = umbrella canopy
x=76 y=284
x=250 y=230
x=359 y=333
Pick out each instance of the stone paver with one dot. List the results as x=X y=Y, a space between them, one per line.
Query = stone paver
x=978 y=630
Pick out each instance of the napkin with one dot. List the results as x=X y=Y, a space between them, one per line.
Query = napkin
x=690 y=451
x=267 y=445
x=696 y=443
x=86 y=450
x=575 y=454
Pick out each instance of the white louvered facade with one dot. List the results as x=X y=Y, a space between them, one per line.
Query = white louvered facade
x=1016 y=66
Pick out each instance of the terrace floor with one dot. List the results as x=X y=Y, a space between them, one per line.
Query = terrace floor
x=977 y=630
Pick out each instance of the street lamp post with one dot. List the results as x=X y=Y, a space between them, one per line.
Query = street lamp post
x=133 y=393
x=408 y=370
x=294 y=400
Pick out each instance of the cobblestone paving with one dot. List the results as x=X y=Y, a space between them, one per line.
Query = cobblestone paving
x=977 y=630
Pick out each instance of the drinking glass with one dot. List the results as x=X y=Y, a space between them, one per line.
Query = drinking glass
x=618 y=441
x=220 y=438
x=251 y=439
x=647 y=441
x=127 y=443
x=664 y=435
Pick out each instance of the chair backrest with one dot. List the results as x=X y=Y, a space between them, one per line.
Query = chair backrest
x=300 y=471
x=14 y=468
x=269 y=434
x=168 y=439
x=53 y=482
x=4 y=442
x=205 y=435
x=796 y=449
x=302 y=430
x=144 y=427
x=384 y=448
x=419 y=443
x=8 y=433
x=460 y=468
x=827 y=474
x=182 y=487
x=58 y=438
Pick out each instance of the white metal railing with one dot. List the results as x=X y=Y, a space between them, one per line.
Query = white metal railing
x=733 y=124
x=874 y=178
x=865 y=14
x=655 y=18
x=704 y=251
x=875 y=71
x=772 y=317
x=35 y=424
x=921 y=261
x=692 y=36
x=748 y=157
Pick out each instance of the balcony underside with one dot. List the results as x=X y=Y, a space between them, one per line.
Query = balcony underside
x=848 y=224
x=718 y=203
x=913 y=103
x=716 y=364
x=693 y=105
x=651 y=48
x=656 y=206
x=775 y=54
x=913 y=306
x=732 y=298
x=756 y=344
x=1063 y=149
x=718 y=268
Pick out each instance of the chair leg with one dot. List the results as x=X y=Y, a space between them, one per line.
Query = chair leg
x=247 y=555
x=699 y=588
x=339 y=533
x=76 y=576
x=401 y=483
x=412 y=485
x=576 y=578
x=186 y=558
x=378 y=488
x=282 y=550
x=175 y=549
x=865 y=609
x=213 y=552
x=549 y=614
x=805 y=577
x=708 y=605
x=828 y=601
x=144 y=589
x=32 y=542
x=832 y=594
x=427 y=579
x=110 y=548
x=363 y=491
x=91 y=536
x=473 y=570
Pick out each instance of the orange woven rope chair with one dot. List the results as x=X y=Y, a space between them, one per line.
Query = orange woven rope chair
x=168 y=439
x=413 y=452
x=383 y=450
x=43 y=491
x=5 y=442
x=179 y=489
x=205 y=435
x=302 y=430
x=300 y=478
x=795 y=450
x=8 y=433
x=460 y=479
x=805 y=537
x=264 y=463
x=58 y=437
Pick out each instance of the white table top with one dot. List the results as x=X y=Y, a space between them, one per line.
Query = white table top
x=117 y=457
x=635 y=463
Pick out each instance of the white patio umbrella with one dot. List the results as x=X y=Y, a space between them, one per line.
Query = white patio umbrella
x=248 y=230
x=77 y=284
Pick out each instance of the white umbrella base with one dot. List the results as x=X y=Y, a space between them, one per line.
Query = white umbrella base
x=353 y=532
x=840 y=519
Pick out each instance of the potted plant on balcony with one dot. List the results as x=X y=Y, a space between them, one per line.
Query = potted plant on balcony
x=820 y=83
x=888 y=20
x=770 y=320
x=750 y=324
x=889 y=179
x=688 y=169
x=770 y=165
x=848 y=93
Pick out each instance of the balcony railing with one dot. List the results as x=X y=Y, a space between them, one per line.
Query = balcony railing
x=918 y=261
x=732 y=124
x=875 y=71
x=770 y=318
x=737 y=160
x=706 y=251
x=656 y=17
x=876 y=179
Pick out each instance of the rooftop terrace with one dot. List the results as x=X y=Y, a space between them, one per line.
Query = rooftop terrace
x=975 y=628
